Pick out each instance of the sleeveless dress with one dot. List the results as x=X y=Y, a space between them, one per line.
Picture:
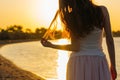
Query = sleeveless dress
x=90 y=62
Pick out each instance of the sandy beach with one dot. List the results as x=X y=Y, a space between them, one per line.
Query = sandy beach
x=9 y=71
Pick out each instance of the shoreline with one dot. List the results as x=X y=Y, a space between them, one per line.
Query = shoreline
x=9 y=71
x=3 y=42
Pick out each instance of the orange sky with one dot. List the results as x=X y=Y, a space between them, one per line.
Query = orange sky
x=37 y=13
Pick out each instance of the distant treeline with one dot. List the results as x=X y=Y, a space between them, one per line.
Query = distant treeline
x=116 y=33
x=16 y=32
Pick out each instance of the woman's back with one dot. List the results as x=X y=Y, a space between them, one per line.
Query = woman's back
x=92 y=40
x=91 y=44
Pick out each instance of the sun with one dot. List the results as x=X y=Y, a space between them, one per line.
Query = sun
x=43 y=11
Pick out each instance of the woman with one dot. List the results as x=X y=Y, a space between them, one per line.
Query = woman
x=85 y=22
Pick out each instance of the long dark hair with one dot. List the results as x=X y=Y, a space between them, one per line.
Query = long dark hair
x=80 y=16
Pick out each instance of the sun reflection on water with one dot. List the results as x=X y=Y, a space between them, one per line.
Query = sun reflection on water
x=62 y=61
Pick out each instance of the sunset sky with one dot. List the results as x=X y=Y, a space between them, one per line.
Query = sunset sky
x=38 y=13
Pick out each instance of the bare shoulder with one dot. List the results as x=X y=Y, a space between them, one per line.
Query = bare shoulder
x=103 y=7
x=104 y=10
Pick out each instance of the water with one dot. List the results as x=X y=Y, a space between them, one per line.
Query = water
x=45 y=62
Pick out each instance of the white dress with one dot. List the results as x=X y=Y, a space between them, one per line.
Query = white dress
x=90 y=62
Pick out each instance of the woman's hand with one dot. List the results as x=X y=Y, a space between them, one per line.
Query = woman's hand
x=46 y=43
x=113 y=72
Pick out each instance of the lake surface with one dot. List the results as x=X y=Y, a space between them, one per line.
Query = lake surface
x=45 y=62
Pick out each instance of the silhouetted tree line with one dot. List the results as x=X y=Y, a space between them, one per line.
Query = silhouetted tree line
x=116 y=33
x=16 y=32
